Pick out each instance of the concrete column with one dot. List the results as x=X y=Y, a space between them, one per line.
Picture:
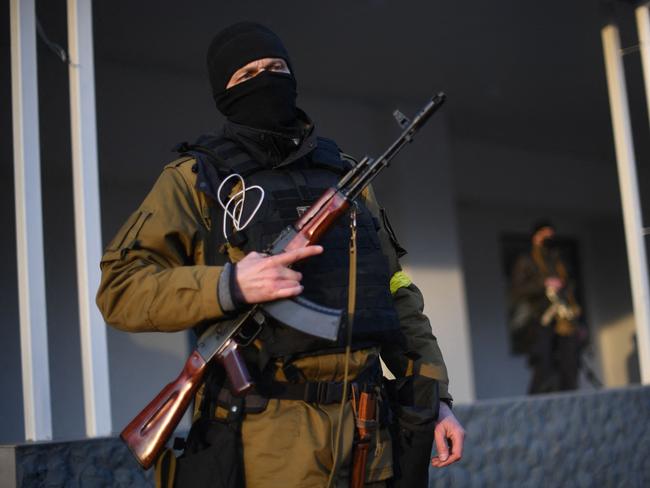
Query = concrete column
x=94 y=355
x=29 y=223
x=642 y=13
x=634 y=235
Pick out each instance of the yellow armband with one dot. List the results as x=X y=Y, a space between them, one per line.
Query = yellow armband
x=399 y=280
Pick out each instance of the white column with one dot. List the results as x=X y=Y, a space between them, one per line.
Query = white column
x=627 y=177
x=29 y=223
x=94 y=356
x=643 y=26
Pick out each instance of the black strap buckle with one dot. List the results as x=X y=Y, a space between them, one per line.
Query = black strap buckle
x=323 y=392
x=311 y=392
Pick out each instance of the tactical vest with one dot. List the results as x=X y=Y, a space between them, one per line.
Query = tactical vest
x=289 y=190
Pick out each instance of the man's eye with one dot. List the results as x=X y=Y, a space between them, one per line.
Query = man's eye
x=244 y=76
x=279 y=67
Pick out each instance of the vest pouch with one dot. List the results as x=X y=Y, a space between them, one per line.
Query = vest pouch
x=212 y=457
x=411 y=457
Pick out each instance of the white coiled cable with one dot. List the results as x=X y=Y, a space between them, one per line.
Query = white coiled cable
x=237 y=201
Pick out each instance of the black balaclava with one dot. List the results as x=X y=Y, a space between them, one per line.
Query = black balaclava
x=266 y=101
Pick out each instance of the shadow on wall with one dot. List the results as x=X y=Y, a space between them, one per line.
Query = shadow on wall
x=446 y=310
x=633 y=368
x=617 y=351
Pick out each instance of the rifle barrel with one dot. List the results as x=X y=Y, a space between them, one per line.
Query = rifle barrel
x=361 y=181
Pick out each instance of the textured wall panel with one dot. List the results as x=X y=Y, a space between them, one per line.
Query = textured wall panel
x=78 y=464
x=568 y=440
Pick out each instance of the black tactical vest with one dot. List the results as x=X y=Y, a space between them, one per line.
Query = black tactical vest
x=289 y=191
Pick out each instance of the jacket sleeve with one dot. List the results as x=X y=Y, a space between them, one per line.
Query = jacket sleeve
x=420 y=355
x=153 y=276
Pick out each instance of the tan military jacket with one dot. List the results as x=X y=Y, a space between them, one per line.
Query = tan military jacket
x=154 y=276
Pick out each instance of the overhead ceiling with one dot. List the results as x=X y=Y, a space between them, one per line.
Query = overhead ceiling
x=526 y=74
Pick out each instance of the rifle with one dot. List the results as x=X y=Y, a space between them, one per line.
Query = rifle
x=148 y=432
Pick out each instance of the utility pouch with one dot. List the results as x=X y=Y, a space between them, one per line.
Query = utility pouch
x=212 y=457
x=412 y=429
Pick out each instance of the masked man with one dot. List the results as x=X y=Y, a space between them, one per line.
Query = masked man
x=183 y=260
x=543 y=294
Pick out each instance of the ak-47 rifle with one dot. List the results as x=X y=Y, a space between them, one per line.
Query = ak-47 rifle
x=148 y=432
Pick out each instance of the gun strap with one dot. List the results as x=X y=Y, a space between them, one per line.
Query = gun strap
x=352 y=296
x=352 y=285
x=165 y=470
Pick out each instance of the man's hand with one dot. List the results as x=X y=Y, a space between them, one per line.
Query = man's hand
x=447 y=427
x=263 y=278
x=554 y=283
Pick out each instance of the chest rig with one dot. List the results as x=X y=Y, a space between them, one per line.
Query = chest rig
x=289 y=191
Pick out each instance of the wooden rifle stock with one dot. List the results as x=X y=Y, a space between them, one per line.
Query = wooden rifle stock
x=148 y=432
x=318 y=219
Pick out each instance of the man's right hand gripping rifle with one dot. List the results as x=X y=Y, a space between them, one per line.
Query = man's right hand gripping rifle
x=262 y=278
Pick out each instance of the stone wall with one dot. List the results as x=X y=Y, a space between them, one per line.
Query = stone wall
x=76 y=464
x=565 y=440
x=569 y=440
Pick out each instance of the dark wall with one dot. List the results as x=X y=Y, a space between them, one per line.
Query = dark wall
x=58 y=220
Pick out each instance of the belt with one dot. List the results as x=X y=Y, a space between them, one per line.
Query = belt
x=321 y=392
x=318 y=392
